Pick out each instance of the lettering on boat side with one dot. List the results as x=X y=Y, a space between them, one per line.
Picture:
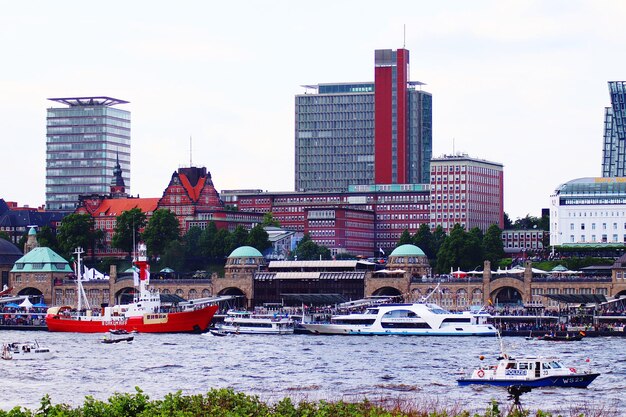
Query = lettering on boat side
x=572 y=380
x=155 y=318
x=515 y=372
x=113 y=322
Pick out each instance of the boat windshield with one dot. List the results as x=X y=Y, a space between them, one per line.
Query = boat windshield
x=555 y=365
x=371 y=311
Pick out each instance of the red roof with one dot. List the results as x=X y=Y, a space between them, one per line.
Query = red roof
x=116 y=206
x=194 y=192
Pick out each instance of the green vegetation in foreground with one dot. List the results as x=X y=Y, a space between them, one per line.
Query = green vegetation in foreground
x=228 y=403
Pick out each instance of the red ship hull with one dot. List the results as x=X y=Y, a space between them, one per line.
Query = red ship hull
x=194 y=321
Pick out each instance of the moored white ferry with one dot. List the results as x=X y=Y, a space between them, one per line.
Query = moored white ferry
x=417 y=319
x=247 y=322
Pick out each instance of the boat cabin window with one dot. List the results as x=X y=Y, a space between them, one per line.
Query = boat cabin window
x=371 y=311
x=547 y=365
x=524 y=365
x=511 y=365
x=400 y=313
x=555 y=365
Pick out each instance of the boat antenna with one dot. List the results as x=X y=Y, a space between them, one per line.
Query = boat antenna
x=79 y=282
x=134 y=245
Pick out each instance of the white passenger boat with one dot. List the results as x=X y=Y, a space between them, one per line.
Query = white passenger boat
x=247 y=322
x=418 y=319
x=25 y=350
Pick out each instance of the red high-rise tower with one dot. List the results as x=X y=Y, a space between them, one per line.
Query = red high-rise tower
x=391 y=78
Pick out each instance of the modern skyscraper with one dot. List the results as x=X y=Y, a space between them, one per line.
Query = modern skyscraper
x=364 y=133
x=84 y=142
x=614 y=151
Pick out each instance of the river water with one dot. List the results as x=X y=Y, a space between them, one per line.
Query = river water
x=420 y=370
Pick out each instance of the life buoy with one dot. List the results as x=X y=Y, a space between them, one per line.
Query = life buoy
x=480 y=373
x=572 y=370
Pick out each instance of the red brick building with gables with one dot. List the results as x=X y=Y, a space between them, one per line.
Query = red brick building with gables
x=190 y=195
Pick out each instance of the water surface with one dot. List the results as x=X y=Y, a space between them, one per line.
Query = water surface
x=419 y=369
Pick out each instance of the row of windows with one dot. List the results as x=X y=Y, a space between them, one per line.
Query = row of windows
x=364 y=235
x=359 y=124
x=533 y=245
x=533 y=235
x=337 y=114
x=445 y=206
x=603 y=239
x=124 y=160
x=575 y=201
x=326 y=100
x=447 y=215
x=596 y=214
x=593 y=226
x=83 y=130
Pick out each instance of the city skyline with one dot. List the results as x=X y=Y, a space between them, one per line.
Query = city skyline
x=523 y=84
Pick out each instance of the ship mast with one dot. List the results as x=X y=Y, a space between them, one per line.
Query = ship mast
x=82 y=297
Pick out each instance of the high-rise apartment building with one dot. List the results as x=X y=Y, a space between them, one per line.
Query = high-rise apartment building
x=614 y=151
x=351 y=134
x=84 y=141
x=466 y=190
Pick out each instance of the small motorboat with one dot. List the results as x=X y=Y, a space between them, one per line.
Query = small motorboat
x=218 y=332
x=555 y=338
x=25 y=350
x=117 y=336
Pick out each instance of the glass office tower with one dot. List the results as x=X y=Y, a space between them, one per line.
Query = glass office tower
x=614 y=151
x=83 y=142
x=352 y=134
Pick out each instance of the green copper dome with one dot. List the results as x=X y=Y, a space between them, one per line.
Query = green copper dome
x=407 y=250
x=246 y=252
x=32 y=232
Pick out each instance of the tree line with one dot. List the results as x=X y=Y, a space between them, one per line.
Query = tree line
x=165 y=243
x=198 y=248
x=462 y=249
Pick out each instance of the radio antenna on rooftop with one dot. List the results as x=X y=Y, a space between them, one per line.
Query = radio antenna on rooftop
x=404 y=37
x=190 y=153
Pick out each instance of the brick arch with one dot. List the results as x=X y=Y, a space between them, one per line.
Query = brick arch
x=501 y=283
x=124 y=295
x=236 y=291
x=507 y=282
x=387 y=291
x=30 y=291
x=232 y=291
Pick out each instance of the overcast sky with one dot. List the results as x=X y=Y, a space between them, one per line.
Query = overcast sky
x=522 y=83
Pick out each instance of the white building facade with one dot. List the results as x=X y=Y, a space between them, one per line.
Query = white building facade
x=589 y=211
